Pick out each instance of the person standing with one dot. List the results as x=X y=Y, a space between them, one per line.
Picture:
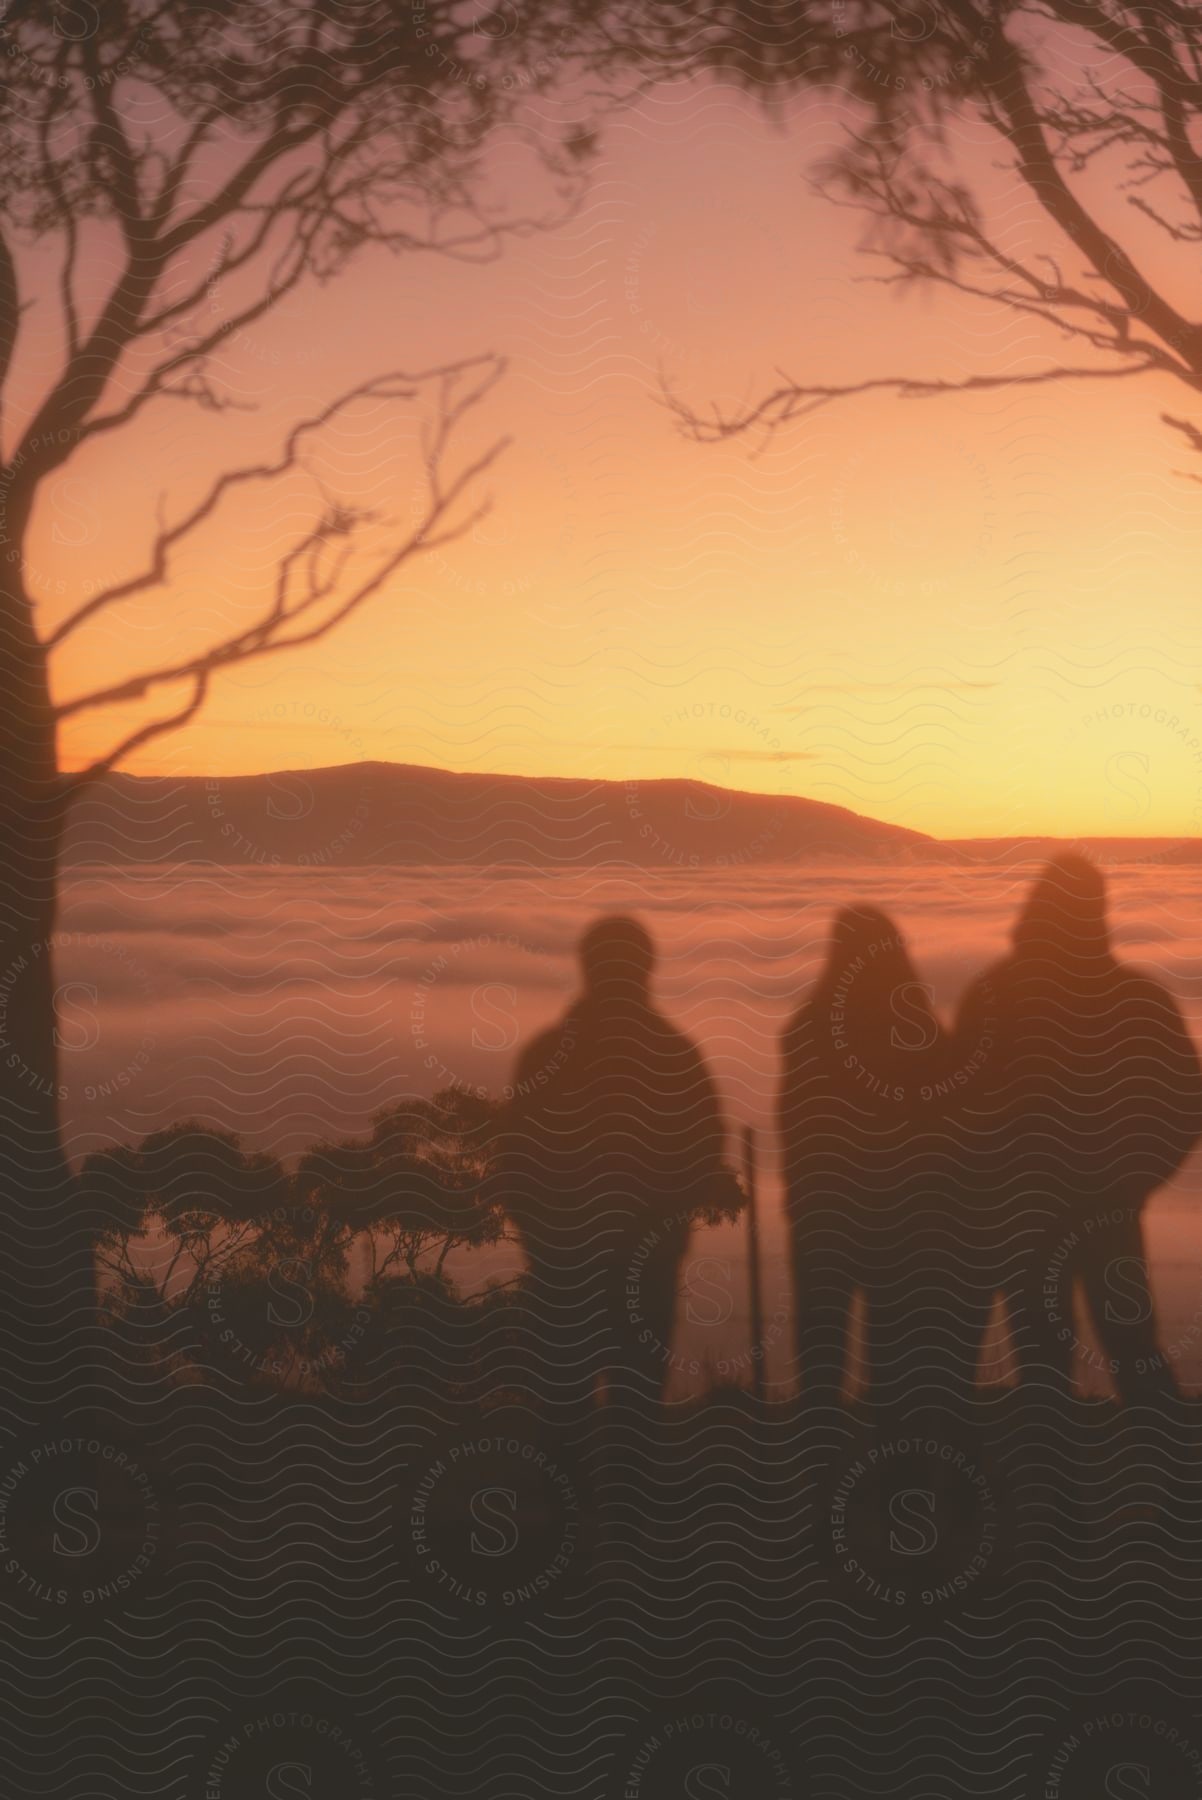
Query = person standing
x=1091 y=1102
x=868 y=1082
x=613 y=1142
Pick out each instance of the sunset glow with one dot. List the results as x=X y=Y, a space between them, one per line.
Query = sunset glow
x=972 y=615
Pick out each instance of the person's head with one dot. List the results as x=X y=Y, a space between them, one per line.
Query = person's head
x=617 y=957
x=868 y=993
x=1065 y=912
x=867 y=953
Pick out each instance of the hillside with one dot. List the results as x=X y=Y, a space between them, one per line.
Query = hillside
x=373 y=814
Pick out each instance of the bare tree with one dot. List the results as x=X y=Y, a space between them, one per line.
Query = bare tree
x=147 y=145
x=1094 y=107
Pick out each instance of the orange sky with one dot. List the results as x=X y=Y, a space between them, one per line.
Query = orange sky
x=970 y=615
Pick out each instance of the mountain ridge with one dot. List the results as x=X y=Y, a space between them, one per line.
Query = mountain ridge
x=382 y=814
x=390 y=814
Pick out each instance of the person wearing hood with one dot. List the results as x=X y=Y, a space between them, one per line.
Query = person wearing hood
x=1091 y=1101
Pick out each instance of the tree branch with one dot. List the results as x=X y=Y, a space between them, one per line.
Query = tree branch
x=795 y=400
x=275 y=630
x=395 y=385
x=931 y=228
x=146 y=734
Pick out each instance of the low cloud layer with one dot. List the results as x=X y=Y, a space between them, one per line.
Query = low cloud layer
x=292 y=1005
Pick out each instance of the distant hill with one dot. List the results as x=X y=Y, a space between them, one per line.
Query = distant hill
x=388 y=814
x=1018 y=852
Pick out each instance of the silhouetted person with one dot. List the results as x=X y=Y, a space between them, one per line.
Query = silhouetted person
x=1091 y=1100
x=868 y=1079
x=613 y=1141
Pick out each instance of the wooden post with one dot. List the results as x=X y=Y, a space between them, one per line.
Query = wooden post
x=755 y=1297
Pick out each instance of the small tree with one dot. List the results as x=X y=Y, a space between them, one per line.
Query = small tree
x=213 y=1256
x=280 y=142
x=418 y=1189
x=183 y=1210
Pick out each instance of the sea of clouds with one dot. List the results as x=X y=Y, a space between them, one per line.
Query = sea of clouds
x=291 y=1005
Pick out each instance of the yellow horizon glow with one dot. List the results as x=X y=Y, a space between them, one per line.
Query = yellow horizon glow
x=974 y=616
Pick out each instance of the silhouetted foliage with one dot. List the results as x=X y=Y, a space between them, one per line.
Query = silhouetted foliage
x=1091 y=112
x=418 y=1187
x=212 y=1255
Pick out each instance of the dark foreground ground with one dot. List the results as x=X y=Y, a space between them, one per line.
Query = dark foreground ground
x=272 y=1596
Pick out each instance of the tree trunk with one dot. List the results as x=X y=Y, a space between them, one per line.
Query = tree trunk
x=46 y=1282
